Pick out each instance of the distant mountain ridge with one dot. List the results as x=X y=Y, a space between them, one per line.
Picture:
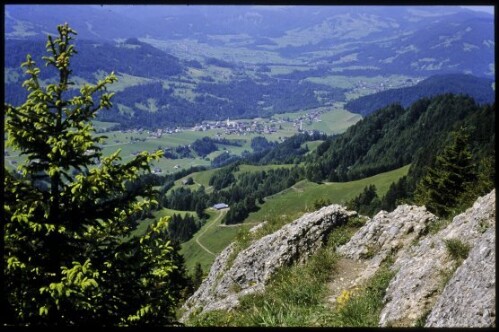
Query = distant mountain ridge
x=423 y=40
x=93 y=59
x=479 y=89
x=181 y=65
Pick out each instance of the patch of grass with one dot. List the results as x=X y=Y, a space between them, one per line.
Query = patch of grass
x=371 y=252
x=341 y=235
x=483 y=225
x=357 y=221
x=335 y=121
x=420 y=322
x=457 y=249
x=435 y=226
x=203 y=177
x=242 y=240
x=445 y=276
x=211 y=235
x=364 y=307
x=312 y=146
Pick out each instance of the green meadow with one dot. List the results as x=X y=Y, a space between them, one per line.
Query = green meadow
x=209 y=241
x=300 y=198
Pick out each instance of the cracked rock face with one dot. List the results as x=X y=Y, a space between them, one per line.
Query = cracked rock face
x=386 y=234
x=423 y=269
x=253 y=267
x=468 y=299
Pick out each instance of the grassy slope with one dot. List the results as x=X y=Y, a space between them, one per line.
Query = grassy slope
x=292 y=202
x=312 y=145
x=213 y=236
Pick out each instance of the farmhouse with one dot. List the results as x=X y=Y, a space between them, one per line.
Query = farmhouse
x=220 y=206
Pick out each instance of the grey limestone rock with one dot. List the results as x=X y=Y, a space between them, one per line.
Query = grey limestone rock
x=386 y=234
x=422 y=268
x=468 y=299
x=426 y=282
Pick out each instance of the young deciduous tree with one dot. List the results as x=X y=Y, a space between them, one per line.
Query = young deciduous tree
x=70 y=258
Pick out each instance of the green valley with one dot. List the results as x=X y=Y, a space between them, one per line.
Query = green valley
x=330 y=120
x=318 y=154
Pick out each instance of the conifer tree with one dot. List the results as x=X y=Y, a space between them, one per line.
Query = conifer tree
x=198 y=276
x=451 y=176
x=69 y=255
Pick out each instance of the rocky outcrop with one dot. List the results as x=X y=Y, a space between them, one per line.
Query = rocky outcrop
x=384 y=235
x=252 y=267
x=424 y=268
x=468 y=299
x=430 y=286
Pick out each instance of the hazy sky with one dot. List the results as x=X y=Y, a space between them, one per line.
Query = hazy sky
x=487 y=9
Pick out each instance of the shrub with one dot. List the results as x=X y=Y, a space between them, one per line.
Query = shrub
x=457 y=249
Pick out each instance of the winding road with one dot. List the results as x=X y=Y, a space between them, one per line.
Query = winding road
x=214 y=222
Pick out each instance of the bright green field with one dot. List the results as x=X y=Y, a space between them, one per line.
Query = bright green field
x=334 y=120
x=300 y=198
x=213 y=236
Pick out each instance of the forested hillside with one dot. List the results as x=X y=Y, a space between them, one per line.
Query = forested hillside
x=479 y=88
x=421 y=135
x=157 y=89
x=130 y=57
x=395 y=136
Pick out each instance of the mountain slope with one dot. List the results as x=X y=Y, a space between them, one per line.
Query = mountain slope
x=394 y=136
x=479 y=89
x=92 y=22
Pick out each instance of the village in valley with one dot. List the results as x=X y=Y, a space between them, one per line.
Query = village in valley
x=259 y=126
x=276 y=128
